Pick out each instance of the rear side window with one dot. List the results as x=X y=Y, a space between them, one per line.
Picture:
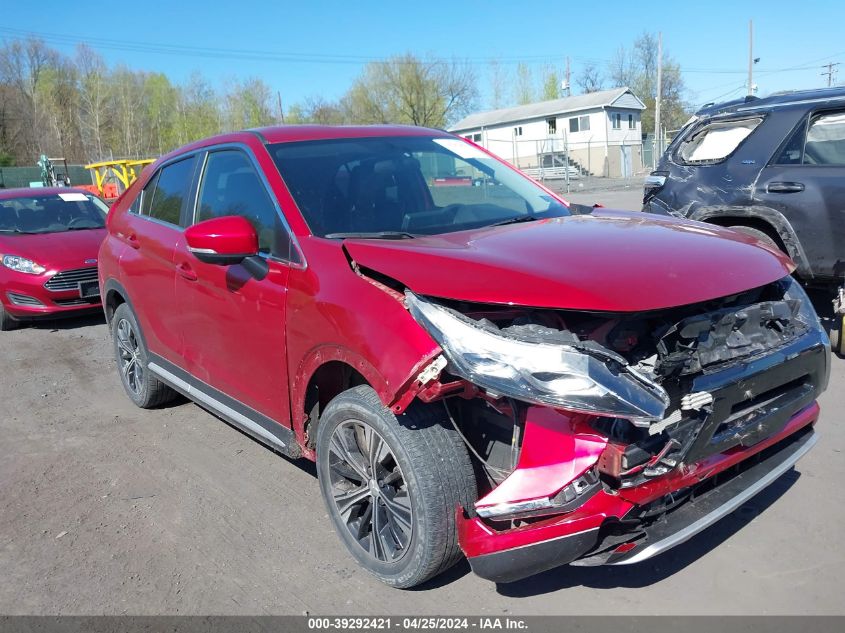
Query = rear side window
x=164 y=202
x=231 y=186
x=714 y=142
x=822 y=143
x=826 y=140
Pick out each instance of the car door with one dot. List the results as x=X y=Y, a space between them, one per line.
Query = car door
x=233 y=323
x=152 y=229
x=806 y=182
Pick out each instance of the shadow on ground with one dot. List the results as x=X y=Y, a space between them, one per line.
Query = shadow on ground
x=67 y=323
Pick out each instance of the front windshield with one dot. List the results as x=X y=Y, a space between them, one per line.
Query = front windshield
x=389 y=186
x=52 y=213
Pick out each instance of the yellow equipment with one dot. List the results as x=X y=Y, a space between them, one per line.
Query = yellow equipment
x=121 y=170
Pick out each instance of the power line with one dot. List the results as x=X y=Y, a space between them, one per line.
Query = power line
x=831 y=73
x=325 y=58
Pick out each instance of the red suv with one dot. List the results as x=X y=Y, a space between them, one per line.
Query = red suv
x=479 y=368
x=49 y=239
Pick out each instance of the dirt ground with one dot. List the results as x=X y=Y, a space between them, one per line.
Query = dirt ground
x=108 y=509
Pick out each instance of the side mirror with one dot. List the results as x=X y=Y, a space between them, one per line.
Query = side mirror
x=222 y=241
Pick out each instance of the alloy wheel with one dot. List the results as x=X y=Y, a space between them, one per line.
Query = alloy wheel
x=369 y=491
x=129 y=356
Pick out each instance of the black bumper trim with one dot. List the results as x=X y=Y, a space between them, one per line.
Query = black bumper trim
x=693 y=517
x=520 y=562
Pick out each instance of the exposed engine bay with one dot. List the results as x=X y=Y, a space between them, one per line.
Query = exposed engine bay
x=690 y=360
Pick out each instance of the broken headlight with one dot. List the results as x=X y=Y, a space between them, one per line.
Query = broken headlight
x=568 y=376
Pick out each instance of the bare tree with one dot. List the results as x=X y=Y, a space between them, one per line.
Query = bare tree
x=637 y=69
x=590 y=78
x=22 y=65
x=94 y=96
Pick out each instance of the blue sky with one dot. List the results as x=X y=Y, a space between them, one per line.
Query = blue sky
x=318 y=47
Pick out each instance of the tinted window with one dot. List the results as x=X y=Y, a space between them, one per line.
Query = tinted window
x=146 y=197
x=826 y=140
x=231 y=186
x=408 y=184
x=715 y=141
x=171 y=189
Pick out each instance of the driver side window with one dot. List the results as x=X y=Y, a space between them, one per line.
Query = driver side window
x=231 y=186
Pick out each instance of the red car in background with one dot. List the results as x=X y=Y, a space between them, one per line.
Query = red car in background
x=49 y=240
x=475 y=369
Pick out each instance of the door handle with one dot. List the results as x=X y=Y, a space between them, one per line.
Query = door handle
x=186 y=271
x=131 y=239
x=784 y=187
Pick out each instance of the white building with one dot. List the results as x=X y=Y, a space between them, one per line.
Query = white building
x=598 y=133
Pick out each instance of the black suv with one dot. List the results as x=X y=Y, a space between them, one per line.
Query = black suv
x=771 y=167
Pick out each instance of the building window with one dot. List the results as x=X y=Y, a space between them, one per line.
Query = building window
x=476 y=138
x=517 y=131
x=552 y=125
x=579 y=124
x=632 y=123
x=617 y=121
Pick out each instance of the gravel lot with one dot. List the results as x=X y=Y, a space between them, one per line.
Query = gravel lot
x=108 y=509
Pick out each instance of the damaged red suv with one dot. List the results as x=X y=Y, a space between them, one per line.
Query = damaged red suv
x=476 y=367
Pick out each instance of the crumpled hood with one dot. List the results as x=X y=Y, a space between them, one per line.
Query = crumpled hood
x=614 y=261
x=55 y=251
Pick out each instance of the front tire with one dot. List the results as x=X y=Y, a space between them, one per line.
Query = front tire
x=392 y=485
x=142 y=387
x=6 y=321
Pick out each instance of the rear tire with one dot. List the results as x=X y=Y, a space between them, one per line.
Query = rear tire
x=837 y=335
x=392 y=485
x=6 y=321
x=144 y=389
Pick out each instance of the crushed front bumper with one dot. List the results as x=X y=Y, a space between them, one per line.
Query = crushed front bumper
x=620 y=540
x=738 y=452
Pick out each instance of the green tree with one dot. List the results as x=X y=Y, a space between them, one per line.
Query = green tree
x=499 y=92
x=524 y=89
x=410 y=90
x=161 y=98
x=247 y=105
x=551 y=83
x=198 y=110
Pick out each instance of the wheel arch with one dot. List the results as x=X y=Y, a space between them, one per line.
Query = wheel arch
x=115 y=295
x=770 y=221
x=327 y=371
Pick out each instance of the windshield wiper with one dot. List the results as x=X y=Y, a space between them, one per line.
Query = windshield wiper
x=375 y=235
x=14 y=231
x=516 y=220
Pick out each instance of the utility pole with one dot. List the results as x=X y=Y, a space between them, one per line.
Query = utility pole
x=658 y=149
x=831 y=73
x=281 y=112
x=568 y=83
x=750 y=58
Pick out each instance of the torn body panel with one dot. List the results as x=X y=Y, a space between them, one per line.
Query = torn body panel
x=739 y=375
